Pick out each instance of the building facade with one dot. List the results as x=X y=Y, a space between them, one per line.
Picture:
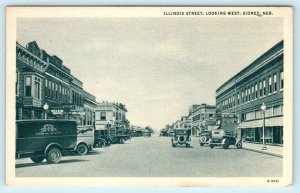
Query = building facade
x=203 y=118
x=43 y=79
x=262 y=82
x=113 y=114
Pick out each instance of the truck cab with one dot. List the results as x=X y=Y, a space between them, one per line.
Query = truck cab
x=226 y=134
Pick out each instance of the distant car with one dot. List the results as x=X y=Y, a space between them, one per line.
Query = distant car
x=224 y=139
x=181 y=136
x=40 y=139
x=204 y=137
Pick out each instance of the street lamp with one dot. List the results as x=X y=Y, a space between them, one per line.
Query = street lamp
x=263 y=109
x=46 y=107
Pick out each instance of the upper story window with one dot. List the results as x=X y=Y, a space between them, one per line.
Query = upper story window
x=270 y=85
x=256 y=91
x=249 y=94
x=252 y=92
x=275 y=82
x=246 y=95
x=28 y=86
x=264 y=88
x=260 y=89
x=103 y=116
x=242 y=97
x=238 y=99
x=37 y=87
x=33 y=87
x=281 y=80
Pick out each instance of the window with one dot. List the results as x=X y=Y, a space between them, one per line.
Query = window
x=249 y=94
x=281 y=80
x=256 y=91
x=52 y=90
x=265 y=88
x=210 y=116
x=27 y=86
x=97 y=115
x=238 y=98
x=37 y=88
x=242 y=97
x=46 y=88
x=253 y=93
x=275 y=82
x=103 y=116
x=270 y=85
x=260 y=89
x=246 y=95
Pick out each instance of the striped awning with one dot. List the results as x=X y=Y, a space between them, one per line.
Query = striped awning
x=269 y=122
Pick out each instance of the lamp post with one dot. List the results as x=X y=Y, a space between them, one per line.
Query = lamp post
x=263 y=109
x=46 y=107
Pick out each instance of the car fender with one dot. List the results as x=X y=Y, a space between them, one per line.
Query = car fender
x=51 y=145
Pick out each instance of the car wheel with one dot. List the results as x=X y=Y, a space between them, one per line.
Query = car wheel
x=203 y=138
x=173 y=145
x=82 y=149
x=101 y=144
x=201 y=144
x=187 y=145
x=211 y=146
x=239 y=145
x=53 y=155
x=226 y=144
x=37 y=159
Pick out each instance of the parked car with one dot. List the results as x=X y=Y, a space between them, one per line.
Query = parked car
x=102 y=138
x=181 y=136
x=85 y=139
x=226 y=134
x=40 y=139
x=204 y=137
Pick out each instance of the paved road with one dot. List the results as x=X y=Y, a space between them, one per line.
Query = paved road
x=154 y=157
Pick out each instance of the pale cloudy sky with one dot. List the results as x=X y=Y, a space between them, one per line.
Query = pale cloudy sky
x=157 y=67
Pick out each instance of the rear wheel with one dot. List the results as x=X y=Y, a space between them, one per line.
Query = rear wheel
x=211 y=146
x=53 y=155
x=239 y=145
x=37 y=159
x=82 y=149
x=201 y=144
x=101 y=144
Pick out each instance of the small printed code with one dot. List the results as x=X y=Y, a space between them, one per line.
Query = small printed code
x=273 y=181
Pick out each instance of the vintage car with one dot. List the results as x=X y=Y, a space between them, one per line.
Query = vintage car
x=181 y=136
x=85 y=139
x=224 y=138
x=204 y=137
x=102 y=138
x=40 y=139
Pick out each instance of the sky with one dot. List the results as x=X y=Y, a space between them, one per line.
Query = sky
x=157 y=67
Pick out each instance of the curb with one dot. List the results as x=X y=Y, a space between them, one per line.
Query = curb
x=263 y=152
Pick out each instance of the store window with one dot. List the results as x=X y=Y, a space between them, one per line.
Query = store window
x=28 y=86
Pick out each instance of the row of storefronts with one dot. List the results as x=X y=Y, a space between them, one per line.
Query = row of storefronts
x=254 y=96
x=45 y=88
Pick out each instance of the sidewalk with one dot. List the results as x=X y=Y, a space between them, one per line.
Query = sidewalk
x=271 y=150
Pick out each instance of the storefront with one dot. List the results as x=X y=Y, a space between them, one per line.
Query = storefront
x=252 y=132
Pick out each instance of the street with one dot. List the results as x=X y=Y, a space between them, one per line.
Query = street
x=154 y=157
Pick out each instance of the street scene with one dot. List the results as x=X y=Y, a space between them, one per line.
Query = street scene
x=144 y=97
x=159 y=160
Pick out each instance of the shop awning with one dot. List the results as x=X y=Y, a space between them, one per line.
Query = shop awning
x=269 y=122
